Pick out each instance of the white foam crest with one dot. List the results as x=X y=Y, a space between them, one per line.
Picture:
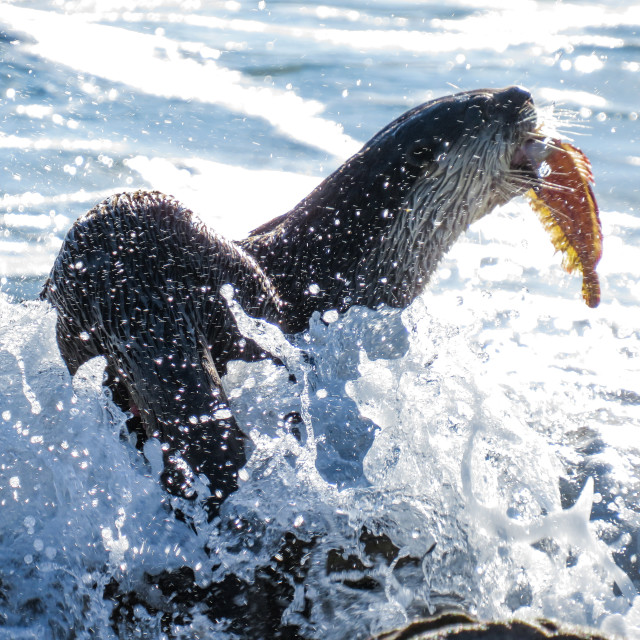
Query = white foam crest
x=30 y=221
x=569 y=526
x=56 y=144
x=34 y=198
x=153 y=64
x=26 y=258
x=541 y=25
x=219 y=194
x=34 y=257
x=571 y=96
x=528 y=23
x=35 y=111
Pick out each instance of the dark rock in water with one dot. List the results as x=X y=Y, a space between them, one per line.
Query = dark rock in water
x=253 y=610
x=246 y=609
x=460 y=626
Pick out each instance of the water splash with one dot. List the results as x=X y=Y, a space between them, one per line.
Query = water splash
x=424 y=482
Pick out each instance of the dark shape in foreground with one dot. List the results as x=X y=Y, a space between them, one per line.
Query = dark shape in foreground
x=253 y=609
x=459 y=626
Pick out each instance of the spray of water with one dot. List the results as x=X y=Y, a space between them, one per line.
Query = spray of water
x=411 y=481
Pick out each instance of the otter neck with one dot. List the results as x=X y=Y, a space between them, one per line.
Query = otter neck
x=363 y=241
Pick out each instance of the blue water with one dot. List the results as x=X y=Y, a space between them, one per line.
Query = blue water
x=533 y=400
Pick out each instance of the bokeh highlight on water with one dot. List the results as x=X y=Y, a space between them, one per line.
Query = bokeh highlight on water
x=497 y=418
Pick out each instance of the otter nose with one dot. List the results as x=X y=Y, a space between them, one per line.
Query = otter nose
x=506 y=105
x=513 y=100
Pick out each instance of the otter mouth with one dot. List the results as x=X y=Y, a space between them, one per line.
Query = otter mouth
x=529 y=158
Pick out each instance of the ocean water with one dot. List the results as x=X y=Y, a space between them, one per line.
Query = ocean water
x=480 y=449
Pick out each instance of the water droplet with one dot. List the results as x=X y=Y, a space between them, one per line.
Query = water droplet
x=330 y=316
x=544 y=169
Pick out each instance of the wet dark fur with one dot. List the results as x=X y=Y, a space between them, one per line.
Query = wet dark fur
x=138 y=278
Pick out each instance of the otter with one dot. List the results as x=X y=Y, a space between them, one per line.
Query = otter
x=138 y=278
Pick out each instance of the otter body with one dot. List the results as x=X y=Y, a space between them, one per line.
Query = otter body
x=138 y=278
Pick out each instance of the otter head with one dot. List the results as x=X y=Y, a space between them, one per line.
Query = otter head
x=450 y=162
x=467 y=153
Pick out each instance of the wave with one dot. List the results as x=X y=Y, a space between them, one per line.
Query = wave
x=156 y=65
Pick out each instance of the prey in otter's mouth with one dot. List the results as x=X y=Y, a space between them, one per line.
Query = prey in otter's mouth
x=138 y=279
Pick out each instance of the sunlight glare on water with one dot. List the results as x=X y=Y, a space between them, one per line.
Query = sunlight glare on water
x=479 y=449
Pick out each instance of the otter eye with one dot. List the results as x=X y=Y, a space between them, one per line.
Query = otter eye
x=429 y=168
